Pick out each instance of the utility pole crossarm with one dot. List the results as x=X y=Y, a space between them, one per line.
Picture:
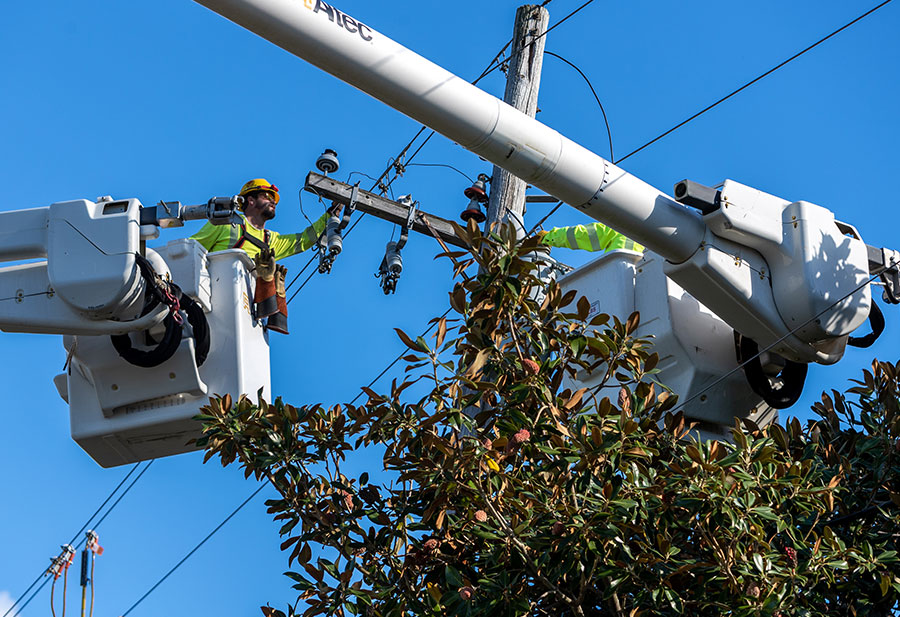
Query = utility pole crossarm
x=333 y=190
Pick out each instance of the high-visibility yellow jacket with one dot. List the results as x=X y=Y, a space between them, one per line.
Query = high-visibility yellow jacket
x=221 y=237
x=593 y=237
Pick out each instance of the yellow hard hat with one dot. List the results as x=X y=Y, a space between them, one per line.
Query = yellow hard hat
x=259 y=184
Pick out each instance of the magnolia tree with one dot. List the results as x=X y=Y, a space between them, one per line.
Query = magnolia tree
x=504 y=492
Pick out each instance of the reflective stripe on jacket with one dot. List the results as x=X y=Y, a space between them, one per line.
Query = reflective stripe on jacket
x=592 y=237
x=222 y=237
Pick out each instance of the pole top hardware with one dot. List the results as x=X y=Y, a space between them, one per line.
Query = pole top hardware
x=327 y=162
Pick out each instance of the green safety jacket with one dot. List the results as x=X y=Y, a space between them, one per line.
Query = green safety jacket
x=592 y=237
x=222 y=237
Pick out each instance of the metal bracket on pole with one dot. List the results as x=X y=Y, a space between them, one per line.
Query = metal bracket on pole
x=351 y=206
x=407 y=201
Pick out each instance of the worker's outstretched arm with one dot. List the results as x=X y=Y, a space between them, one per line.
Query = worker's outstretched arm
x=592 y=237
x=291 y=244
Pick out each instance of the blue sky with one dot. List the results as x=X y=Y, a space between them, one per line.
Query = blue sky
x=166 y=100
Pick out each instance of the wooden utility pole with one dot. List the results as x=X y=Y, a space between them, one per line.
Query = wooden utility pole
x=523 y=81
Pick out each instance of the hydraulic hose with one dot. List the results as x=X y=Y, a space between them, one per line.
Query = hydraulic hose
x=151 y=357
x=157 y=293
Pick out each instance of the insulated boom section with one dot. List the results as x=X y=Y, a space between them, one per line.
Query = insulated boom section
x=359 y=55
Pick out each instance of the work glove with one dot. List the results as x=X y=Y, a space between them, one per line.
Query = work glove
x=264 y=297
x=265 y=264
x=278 y=321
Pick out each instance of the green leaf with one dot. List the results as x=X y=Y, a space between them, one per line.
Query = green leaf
x=765 y=512
x=408 y=341
x=453 y=577
x=759 y=563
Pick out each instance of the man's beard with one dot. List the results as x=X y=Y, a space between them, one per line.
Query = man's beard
x=268 y=214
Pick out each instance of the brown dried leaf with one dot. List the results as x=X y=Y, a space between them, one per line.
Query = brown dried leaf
x=583 y=307
x=442 y=332
x=633 y=322
x=407 y=340
x=575 y=399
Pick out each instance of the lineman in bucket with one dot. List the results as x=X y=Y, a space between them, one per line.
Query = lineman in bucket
x=265 y=247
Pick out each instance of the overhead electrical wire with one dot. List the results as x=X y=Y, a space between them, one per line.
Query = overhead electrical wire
x=721 y=100
x=445 y=165
x=195 y=549
x=375 y=185
x=544 y=218
x=74 y=541
x=496 y=63
x=125 y=492
x=594 y=92
x=75 y=537
x=753 y=81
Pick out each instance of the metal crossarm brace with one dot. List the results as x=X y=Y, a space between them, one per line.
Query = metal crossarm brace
x=330 y=189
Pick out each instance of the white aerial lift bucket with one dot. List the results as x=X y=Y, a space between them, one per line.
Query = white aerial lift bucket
x=121 y=413
x=697 y=358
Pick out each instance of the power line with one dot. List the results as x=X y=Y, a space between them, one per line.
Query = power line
x=78 y=533
x=125 y=492
x=753 y=81
x=445 y=165
x=545 y=217
x=74 y=538
x=398 y=358
x=495 y=63
x=701 y=112
x=194 y=550
x=594 y=92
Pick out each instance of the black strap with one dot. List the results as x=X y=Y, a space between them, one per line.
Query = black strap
x=793 y=375
x=245 y=237
x=876 y=319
